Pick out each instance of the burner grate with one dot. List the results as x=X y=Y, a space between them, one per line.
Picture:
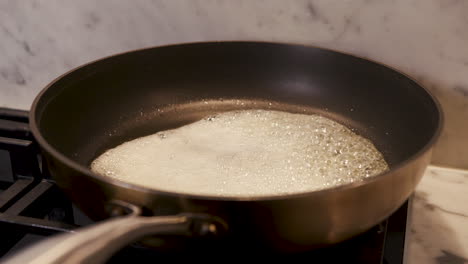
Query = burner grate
x=30 y=203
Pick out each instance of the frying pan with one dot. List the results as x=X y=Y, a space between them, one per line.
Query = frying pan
x=115 y=99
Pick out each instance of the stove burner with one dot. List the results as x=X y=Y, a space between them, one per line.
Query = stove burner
x=32 y=207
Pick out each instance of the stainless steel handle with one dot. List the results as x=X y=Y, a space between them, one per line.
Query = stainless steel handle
x=97 y=243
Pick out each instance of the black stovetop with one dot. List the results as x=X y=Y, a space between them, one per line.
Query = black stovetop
x=32 y=208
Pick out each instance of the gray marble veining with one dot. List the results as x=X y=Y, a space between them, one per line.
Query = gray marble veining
x=439 y=220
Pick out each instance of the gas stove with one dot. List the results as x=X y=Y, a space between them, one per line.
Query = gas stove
x=32 y=208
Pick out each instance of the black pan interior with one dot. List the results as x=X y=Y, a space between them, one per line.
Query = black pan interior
x=105 y=103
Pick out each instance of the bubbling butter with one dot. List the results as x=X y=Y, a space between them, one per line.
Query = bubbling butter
x=245 y=153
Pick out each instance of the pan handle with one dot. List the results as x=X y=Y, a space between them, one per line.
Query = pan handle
x=97 y=243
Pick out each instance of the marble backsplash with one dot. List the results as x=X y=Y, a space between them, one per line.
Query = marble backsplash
x=427 y=39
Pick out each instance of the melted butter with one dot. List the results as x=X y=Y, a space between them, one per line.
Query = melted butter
x=245 y=153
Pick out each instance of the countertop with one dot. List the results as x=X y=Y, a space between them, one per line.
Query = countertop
x=439 y=219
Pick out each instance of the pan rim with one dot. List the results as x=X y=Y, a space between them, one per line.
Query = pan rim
x=33 y=114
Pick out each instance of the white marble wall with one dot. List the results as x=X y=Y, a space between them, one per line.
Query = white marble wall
x=428 y=39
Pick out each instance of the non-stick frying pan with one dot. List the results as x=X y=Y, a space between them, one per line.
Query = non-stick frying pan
x=107 y=102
